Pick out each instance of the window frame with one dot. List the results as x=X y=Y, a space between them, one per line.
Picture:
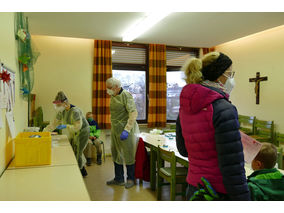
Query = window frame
x=172 y=69
x=135 y=67
x=145 y=67
x=178 y=68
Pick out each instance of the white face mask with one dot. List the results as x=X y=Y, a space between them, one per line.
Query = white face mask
x=110 y=92
x=59 y=109
x=230 y=84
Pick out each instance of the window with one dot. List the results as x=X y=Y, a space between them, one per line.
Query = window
x=175 y=83
x=129 y=66
x=134 y=82
x=175 y=80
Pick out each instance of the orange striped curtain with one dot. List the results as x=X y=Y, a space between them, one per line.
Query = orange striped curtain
x=102 y=70
x=157 y=113
x=207 y=50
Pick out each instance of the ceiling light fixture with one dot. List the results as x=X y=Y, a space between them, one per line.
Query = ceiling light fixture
x=143 y=25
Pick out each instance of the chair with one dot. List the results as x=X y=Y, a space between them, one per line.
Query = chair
x=280 y=157
x=173 y=175
x=103 y=149
x=279 y=141
x=172 y=128
x=102 y=143
x=247 y=124
x=38 y=119
x=264 y=131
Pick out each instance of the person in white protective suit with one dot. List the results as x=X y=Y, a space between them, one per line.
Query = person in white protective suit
x=124 y=132
x=71 y=118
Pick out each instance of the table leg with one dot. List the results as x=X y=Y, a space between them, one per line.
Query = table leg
x=153 y=165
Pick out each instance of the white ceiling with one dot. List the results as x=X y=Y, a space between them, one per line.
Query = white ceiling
x=191 y=29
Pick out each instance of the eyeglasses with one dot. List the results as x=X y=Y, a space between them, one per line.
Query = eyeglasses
x=230 y=74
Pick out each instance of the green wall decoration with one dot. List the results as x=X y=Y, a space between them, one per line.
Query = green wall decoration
x=26 y=56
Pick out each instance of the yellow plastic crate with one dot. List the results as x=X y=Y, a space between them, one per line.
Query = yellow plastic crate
x=32 y=151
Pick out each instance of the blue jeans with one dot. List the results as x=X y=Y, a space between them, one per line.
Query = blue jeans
x=119 y=173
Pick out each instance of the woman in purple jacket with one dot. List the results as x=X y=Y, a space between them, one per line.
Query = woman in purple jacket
x=208 y=128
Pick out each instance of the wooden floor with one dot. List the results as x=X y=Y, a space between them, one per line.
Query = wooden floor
x=99 y=191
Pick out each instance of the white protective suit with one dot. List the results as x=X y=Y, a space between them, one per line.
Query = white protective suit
x=78 y=131
x=123 y=117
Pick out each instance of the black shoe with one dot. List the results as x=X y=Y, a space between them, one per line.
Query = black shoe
x=114 y=182
x=84 y=172
x=99 y=159
x=129 y=184
x=89 y=161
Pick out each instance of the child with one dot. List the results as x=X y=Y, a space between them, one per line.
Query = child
x=266 y=182
x=93 y=140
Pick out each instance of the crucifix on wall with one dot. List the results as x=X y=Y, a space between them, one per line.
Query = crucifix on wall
x=257 y=81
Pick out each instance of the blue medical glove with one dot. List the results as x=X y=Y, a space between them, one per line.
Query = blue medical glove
x=61 y=127
x=124 y=135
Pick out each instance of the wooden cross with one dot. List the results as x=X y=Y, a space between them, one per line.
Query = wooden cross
x=257 y=81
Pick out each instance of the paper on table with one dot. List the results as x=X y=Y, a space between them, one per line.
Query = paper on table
x=250 y=147
x=11 y=123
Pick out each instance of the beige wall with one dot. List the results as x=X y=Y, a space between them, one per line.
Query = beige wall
x=264 y=53
x=65 y=64
x=8 y=56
